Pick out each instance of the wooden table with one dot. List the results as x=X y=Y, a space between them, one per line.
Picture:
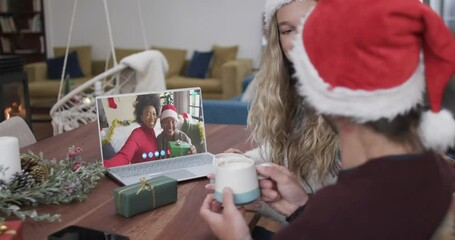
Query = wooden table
x=176 y=221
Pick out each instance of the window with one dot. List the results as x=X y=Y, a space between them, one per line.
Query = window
x=195 y=109
x=449 y=13
x=445 y=8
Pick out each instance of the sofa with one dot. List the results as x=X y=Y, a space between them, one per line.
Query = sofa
x=225 y=74
x=44 y=91
x=224 y=80
x=233 y=111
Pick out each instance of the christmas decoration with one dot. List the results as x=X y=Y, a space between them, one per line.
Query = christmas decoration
x=168 y=110
x=11 y=230
x=43 y=181
x=167 y=98
x=394 y=56
x=33 y=165
x=112 y=103
x=145 y=195
x=114 y=124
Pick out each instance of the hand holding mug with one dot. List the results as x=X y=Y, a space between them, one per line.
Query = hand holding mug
x=227 y=221
x=281 y=190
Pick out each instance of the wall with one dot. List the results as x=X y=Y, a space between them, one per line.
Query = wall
x=192 y=25
x=124 y=110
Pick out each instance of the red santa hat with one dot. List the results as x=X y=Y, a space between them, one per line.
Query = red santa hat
x=168 y=110
x=271 y=6
x=375 y=59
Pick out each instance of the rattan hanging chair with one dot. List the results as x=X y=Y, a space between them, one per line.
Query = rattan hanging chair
x=77 y=107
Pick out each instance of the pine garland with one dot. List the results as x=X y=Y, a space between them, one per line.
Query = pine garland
x=201 y=130
x=108 y=139
x=54 y=182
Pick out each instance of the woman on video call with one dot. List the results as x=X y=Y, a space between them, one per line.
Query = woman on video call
x=141 y=145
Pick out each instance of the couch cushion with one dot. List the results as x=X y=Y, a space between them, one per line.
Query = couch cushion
x=206 y=85
x=221 y=55
x=199 y=65
x=84 y=54
x=121 y=53
x=225 y=112
x=175 y=58
x=55 y=67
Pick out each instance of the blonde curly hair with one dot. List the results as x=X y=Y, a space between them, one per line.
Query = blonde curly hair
x=279 y=118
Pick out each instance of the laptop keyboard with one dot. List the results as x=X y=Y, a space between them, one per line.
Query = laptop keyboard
x=165 y=165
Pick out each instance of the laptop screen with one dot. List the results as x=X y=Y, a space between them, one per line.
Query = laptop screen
x=142 y=127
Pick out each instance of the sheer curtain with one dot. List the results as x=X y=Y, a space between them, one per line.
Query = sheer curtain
x=445 y=8
x=448 y=13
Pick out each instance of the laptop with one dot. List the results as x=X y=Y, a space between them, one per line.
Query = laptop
x=131 y=150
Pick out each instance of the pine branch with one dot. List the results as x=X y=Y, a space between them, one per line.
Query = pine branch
x=68 y=180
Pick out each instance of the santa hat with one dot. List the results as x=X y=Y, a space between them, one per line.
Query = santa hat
x=368 y=60
x=271 y=6
x=168 y=110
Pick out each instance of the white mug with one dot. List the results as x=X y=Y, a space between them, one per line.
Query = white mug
x=237 y=172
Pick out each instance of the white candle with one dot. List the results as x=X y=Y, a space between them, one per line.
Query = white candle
x=9 y=157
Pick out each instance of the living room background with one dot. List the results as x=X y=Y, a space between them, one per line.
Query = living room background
x=191 y=25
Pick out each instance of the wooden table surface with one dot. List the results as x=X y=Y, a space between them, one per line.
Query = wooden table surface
x=180 y=220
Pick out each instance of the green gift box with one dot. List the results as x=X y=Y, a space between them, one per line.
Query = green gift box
x=145 y=195
x=179 y=148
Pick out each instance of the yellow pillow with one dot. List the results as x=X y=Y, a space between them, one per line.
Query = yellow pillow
x=175 y=58
x=84 y=54
x=221 y=55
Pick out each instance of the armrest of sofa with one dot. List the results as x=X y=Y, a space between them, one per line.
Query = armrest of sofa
x=36 y=71
x=232 y=75
x=98 y=67
x=225 y=112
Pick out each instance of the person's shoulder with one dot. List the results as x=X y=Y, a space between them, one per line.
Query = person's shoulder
x=180 y=133
x=341 y=198
x=137 y=131
x=160 y=135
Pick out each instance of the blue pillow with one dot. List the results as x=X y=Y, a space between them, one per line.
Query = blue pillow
x=199 y=65
x=55 y=67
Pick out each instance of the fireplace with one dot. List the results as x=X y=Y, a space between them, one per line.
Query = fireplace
x=14 y=96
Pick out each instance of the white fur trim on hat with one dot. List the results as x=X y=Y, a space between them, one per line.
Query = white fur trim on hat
x=168 y=113
x=271 y=6
x=361 y=105
x=437 y=130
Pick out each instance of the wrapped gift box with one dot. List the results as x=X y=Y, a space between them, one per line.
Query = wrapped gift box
x=179 y=148
x=145 y=195
x=11 y=230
